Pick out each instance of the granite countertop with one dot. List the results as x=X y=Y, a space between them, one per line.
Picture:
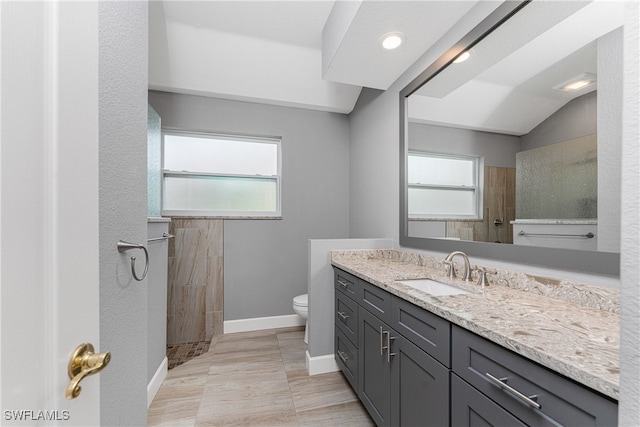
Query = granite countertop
x=570 y=328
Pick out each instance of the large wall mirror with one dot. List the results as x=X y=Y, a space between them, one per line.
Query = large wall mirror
x=511 y=141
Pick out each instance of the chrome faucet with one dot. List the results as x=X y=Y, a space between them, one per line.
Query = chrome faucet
x=466 y=275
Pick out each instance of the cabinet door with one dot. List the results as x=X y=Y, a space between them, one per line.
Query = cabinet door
x=420 y=387
x=374 y=373
x=470 y=408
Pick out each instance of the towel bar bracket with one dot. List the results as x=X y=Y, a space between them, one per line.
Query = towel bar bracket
x=125 y=246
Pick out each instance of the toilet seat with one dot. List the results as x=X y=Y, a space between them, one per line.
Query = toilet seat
x=301 y=300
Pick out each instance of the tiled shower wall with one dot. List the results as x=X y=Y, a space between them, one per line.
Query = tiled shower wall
x=195 y=281
x=499 y=209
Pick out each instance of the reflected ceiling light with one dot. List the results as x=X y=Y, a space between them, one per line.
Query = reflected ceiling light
x=463 y=57
x=582 y=81
x=391 y=40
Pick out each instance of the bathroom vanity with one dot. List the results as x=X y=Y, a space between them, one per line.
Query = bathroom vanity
x=522 y=351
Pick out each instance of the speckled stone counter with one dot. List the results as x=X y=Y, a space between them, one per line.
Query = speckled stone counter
x=568 y=327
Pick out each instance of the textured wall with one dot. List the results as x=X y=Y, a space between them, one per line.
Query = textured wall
x=630 y=245
x=123 y=208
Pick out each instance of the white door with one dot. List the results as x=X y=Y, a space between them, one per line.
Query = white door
x=48 y=209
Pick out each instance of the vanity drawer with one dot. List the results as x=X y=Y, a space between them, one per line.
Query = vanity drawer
x=347 y=358
x=470 y=408
x=429 y=332
x=347 y=283
x=377 y=301
x=562 y=402
x=346 y=318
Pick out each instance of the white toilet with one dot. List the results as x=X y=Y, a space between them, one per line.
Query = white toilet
x=301 y=307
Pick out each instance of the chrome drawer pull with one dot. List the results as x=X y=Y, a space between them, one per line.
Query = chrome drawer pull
x=343 y=357
x=388 y=347
x=502 y=384
x=343 y=315
x=343 y=283
x=381 y=342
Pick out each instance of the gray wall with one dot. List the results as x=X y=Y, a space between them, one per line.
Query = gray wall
x=321 y=289
x=374 y=212
x=123 y=208
x=265 y=261
x=498 y=150
x=575 y=119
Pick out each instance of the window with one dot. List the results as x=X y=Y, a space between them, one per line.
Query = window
x=220 y=175
x=444 y=186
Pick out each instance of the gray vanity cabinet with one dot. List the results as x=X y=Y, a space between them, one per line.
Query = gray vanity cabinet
x=348 y=288
x=413 y=368
x=396 y=379
x=519 y=387
x=399 y=383
x=374 y=381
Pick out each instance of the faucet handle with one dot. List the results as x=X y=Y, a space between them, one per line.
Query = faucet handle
x=451 y=271
x=482 y=278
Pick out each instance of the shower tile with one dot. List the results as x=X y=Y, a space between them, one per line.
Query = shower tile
x=190 y=271
x=214 y=237
x=215 y=284
x=215 y=324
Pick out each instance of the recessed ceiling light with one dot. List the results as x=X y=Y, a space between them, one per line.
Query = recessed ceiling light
x=391 y=41
x=462 y=57
x=577 y=83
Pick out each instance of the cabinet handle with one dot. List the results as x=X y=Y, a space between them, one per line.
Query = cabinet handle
x=343 y=283
x=382 y=342
x=388 y=346
x=343 y=315
x=501 y=382
x=342 y=356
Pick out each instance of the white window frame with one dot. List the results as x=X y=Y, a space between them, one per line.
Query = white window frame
x=477 y=188
x=277 y=214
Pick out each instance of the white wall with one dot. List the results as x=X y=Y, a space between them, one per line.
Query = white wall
x=375 y=190
x=630 y=244
x=123 y=208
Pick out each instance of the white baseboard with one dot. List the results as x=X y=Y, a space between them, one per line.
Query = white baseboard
x=321 y=364
x=260 y=323
x=156 y=381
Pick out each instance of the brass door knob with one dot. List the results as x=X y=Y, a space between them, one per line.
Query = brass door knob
x=83 y=363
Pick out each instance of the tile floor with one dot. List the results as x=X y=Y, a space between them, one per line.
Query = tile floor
x=255 y=379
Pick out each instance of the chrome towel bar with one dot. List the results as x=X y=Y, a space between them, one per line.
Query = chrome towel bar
x=165 y=236
x=584 y=236
x=125 y=246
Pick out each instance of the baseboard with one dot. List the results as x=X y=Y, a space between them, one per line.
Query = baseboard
x=321 y=364
x=260 y=323
x=156 y=381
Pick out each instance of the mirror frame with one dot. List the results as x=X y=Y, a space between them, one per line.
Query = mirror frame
x=606 y=263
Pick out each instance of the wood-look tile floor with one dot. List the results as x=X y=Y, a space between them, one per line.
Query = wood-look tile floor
x=255 y=379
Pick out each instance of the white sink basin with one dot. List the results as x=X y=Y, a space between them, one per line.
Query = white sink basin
x=432 y=287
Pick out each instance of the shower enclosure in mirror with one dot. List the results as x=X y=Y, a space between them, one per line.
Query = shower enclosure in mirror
x=514 y=152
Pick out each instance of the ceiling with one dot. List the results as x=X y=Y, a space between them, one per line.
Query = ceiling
x=507 y=85
x=306 y=53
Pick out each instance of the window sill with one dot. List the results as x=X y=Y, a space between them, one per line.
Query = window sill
x=224 y=217
x=448 y=219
